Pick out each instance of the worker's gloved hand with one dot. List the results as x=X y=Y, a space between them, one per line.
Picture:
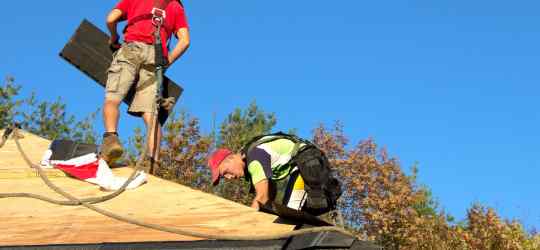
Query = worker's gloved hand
x=114 y=43
x=115 y=47
x=167 y=103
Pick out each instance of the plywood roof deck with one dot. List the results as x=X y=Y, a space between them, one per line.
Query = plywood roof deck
x=33 y=222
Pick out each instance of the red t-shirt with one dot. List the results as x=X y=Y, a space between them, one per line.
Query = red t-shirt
x=140 y=27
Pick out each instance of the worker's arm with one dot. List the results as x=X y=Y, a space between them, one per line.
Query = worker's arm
x=112 y=21
x=181 y=46
x=261 y=194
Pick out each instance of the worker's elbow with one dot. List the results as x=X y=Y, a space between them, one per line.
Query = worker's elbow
x=111 y=20
x=186 y=43
x=114 y=16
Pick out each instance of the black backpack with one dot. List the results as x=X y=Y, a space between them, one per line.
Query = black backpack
x=322 y=188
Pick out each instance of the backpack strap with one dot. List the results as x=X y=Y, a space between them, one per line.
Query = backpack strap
x=262 y=139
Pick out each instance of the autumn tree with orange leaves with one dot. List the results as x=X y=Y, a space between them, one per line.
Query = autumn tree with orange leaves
x=380 y=202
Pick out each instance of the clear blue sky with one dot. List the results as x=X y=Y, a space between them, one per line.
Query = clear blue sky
x=452 y=85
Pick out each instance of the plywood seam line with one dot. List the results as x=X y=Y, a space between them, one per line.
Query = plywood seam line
x=179 y=231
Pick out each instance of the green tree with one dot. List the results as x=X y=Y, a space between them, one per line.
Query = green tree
x=50 y=120
x=47 y=119
x=242 y=125
x=9 y=106
x=135 y=146
x=380 y=202
x=184 y=152
x=184 y=149
x=239 y=127
x=426 y=204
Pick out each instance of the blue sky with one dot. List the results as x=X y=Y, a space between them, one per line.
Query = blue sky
x=451 y=85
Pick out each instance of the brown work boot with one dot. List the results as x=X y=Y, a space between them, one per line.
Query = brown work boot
x=149 y=165
x=111 y=149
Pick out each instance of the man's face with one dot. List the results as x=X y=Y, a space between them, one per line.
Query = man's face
x=232 y=167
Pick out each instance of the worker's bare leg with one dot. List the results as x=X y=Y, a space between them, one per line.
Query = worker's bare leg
x=153 y=136
x=111 y=149
x=111 y=115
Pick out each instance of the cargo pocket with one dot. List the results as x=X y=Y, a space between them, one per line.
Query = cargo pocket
x=113 y=78
x=131 y=52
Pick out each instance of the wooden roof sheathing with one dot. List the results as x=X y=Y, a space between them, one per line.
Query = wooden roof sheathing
x=32 y=222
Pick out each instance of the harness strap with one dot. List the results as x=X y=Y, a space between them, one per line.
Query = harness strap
x=259 y=140
x=158 y=4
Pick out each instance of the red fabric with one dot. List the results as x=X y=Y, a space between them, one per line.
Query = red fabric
x=215 y=159
x=82 y=172
x=142 y=30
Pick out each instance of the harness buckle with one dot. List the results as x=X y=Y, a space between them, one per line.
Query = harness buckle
x=158 y=15
x=157 y=12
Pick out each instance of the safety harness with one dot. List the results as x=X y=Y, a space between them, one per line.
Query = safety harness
x=262 y=139
x=158 y=19
x=157 y=16
x=322 y=188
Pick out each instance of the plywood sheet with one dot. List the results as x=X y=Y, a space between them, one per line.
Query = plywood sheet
x=33 y=145
x=33 y=222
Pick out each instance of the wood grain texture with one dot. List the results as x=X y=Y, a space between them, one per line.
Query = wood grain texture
x=33 y=222
x=34 y=145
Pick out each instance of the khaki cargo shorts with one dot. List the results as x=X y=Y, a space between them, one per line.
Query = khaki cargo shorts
x=133 y=67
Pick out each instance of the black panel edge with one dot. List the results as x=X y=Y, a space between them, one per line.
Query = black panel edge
x=68 y=52
x=205 y=244
x=327 y=240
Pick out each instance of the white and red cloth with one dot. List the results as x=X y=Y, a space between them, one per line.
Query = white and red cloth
x=91 y=169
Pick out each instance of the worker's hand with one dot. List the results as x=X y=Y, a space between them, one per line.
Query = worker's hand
x=262 y=193
x=113 y=43
x=167 y=103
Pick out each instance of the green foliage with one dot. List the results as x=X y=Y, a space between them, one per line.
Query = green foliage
x=380 y=202
x=47 y=119
x=184 y=151
x=9 y=106
x=425 y=205
x=136 y=144
x=50 y=120
x=242 y=125
x=239 y=127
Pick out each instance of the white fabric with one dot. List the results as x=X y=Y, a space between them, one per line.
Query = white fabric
x=104 y=175
x=45 y=160
x=106 y=179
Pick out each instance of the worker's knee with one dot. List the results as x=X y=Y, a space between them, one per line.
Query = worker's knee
x=112 y=102
x=149 y=119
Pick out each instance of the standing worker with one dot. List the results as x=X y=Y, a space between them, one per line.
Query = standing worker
x=283 y=169
x=135 y=63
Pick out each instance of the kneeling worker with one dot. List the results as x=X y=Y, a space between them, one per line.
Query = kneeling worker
x=282 y=168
